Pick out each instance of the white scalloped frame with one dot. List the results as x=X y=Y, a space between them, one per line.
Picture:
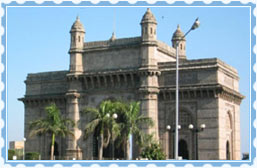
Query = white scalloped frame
x=132 y=164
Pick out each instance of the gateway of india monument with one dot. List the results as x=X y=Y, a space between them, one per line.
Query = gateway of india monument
x=140 y=69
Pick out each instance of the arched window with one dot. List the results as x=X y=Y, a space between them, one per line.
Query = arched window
x=151 y=30
x=227 y=151
x=228 y=122
x=181 y=46
x=182 y=149
x=79 y=38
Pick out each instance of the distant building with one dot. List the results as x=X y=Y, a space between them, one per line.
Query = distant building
x=16 y=145
x=140 y=69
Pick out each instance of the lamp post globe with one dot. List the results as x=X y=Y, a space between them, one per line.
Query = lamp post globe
x=179 y=126
x=168 y=127
x=203 y=126
x=191 y=126
x=196 y=24
x=115 y=116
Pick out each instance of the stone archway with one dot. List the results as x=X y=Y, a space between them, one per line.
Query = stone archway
x=228 y=151
x=187 y=116
x=229 y=134
x=183 y=149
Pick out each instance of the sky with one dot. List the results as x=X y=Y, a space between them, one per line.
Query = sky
x=38 y=41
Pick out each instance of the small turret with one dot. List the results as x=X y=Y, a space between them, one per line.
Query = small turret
x=148 y=26
x=76 y=48
x=178 y=38
x=77 y=35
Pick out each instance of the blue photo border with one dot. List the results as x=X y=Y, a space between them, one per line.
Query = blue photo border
x=139 y=163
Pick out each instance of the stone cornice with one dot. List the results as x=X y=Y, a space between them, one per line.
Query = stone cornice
x=107 y=79
x=43 y=99
x=55 y=76
x=201 y=92
x=145 y=71
x=75 y=50
x=149 y=43
x=72 y=94
x=231 y=95
x=149 y=90
x=200 y=64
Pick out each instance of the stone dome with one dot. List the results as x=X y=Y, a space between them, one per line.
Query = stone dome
x=77 y=26
x=178 y=34
x=148 y=17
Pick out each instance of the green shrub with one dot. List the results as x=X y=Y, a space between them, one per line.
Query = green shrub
x=32 y=156
x=11 y=153
x=153 y=152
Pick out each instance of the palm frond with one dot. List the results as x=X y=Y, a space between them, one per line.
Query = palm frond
x=145 y=120
x=90 y=127
x=37 y=132
x=52 y=123
x=91 y=110
x=68 y=122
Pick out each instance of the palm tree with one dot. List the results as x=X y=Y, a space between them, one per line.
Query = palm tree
x=132 y=123
x=102 y=123
x=53 y=124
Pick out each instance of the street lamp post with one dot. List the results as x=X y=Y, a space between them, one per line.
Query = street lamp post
x=168 y=127
x=195 y=25
x=24 y=140
x=196 y=131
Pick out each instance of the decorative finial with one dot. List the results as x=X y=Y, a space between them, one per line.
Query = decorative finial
x=178 y=26
x=77 y=17
x=113 y=36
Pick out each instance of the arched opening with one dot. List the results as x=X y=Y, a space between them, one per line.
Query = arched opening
x=79 y=38
x=151 y=30
x=117 y=149
x=56 y=151
x=187 y=142
x=74 y=39
x=95 y=145
x=229 y=132
x=183 y=149
x=227 y=151
x=181 y=46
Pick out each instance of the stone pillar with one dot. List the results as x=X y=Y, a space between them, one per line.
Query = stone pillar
x=72 y=109
x=149 y=108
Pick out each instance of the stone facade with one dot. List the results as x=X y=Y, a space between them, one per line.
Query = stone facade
x=140 y=69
